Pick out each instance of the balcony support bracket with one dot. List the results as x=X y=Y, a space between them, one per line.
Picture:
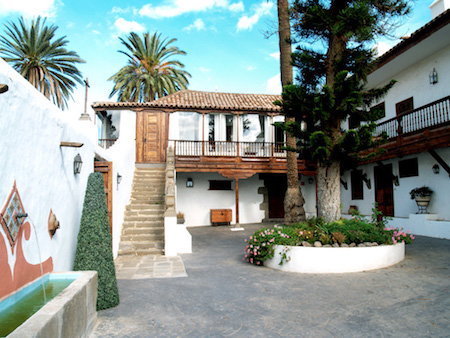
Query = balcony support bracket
x=440 y=160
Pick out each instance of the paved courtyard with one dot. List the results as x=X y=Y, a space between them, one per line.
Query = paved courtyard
x=223 y=297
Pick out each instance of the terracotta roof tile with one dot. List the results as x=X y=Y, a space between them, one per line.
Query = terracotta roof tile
x=191 y=99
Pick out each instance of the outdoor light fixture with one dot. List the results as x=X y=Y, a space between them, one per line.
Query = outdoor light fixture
x=367 y=180
x=189 y=183
x=119 y=178
x=310 y=180
x=436 y=169
x=3 y=88
x=433 y=77
x=77 y=163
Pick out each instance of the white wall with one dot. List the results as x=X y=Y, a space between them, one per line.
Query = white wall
x=123 y=155
x=414 y=81
x=403 y=204
x=196 y=202
x=31 y=129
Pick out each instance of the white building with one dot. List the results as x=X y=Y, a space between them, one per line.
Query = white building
x=417 y=116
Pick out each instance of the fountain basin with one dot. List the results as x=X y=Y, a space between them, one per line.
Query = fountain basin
x=72 y=313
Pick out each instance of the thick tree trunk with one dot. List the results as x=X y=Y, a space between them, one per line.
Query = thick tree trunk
x=293 y=201
x=328 y=191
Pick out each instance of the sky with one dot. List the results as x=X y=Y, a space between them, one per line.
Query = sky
x=226 y=45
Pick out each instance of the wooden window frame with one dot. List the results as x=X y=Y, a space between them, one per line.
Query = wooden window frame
x=408 y=168
x=357 y=184
x=224 y=185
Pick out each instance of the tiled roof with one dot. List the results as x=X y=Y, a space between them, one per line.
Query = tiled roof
x=191 y=99
x=422 y=33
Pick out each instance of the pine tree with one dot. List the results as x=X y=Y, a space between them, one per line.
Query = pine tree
x=333 y=59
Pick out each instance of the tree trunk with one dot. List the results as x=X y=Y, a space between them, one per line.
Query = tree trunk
x=293 y=201
x=328 y=191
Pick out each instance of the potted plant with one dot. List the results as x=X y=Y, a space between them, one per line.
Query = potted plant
x=422 y=196
x=180 y=217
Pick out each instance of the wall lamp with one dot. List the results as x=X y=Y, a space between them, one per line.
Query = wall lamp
x=433 y=77
x=310 y=180
x=77 y=164
x=189 y=183
x=436 y=169
x=3 y=88
x=119 y=178
x=367 y=180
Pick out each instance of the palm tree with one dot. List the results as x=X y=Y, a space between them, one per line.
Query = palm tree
x=41 y=58
x=149 y=74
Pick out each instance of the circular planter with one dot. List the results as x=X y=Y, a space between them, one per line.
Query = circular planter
x=336 y=260
x=422 y=203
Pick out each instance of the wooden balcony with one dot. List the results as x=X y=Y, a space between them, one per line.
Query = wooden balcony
x=233 y=157
x=417 y=130
x=106 y=142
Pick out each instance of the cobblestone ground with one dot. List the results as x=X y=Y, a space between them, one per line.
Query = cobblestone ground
x=223 y=296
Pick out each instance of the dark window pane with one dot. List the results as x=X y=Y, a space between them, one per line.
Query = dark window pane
x=219 y=185
x=404 y=106
x=357 y=185
x=408 y=168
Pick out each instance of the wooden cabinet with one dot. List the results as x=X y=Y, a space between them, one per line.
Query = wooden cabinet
x=220 y=216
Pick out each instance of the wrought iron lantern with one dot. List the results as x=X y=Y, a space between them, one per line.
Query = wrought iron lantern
x=77 y=163
x=189 y=183
x=436 y=169
x=433 y=76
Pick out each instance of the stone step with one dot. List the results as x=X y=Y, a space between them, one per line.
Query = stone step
x=142 y=231
x=157 y=223
x=145 y=212
x=141 y=245
x=144 y=206
x=137 y=194
x=150 y=175
x=131 y=252
x=143 y=237
x=144 y=218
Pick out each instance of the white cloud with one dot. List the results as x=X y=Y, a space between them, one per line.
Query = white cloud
x=197 y=24
x=204 y=70
x=236 y=7
x=247 y=22
x=96 y=32
x=28 y=8
x=119 y=10
x=174 y=8
x=274 y=85
x=250 y=68
x=381 y=48
x=125 y=26
x=275 y=55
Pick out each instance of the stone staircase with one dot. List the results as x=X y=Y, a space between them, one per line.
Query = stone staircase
x=143 y=226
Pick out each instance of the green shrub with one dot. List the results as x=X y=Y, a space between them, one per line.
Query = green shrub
x=94 y=243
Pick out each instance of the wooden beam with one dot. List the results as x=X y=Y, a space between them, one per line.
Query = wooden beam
x=71 y=144
x=237 y=202
x=440 y=160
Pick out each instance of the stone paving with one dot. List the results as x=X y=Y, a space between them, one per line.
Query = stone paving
x=223 y=296
x=151 y=266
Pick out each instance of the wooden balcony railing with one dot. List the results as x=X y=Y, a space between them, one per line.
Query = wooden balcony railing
x=106 y=142
x=434 y=114
x=229 y=149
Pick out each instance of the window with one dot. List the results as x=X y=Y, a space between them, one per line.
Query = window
x=253 y=127
x=354 y=122
x=229 y=127
x=408 y=168
x=357 y=185
x=379 y=110
x=404 y=106
x=219 y=185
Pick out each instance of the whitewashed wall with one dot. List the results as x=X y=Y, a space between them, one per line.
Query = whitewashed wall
x=196 y=202
x=414 y=81
x=31 y=129
x=403 y=204
x=123 y=155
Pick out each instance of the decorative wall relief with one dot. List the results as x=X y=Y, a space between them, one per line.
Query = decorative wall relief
x=15 y=271
x=53 y=223
x=10 y=215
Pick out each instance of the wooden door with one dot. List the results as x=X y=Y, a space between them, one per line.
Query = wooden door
x=384 y=190
x=151 y=137
x=276 y=187
x=106 y=169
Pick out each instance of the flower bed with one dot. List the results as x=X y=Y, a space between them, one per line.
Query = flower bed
x=350 y=236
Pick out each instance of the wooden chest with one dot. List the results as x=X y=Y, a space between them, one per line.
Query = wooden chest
x=220 y=216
